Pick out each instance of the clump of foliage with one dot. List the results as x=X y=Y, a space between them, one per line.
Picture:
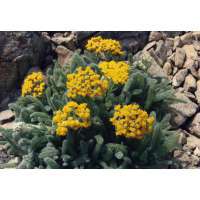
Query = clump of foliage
x=99 y=112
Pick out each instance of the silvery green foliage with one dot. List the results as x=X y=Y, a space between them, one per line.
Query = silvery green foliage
x=37 y=145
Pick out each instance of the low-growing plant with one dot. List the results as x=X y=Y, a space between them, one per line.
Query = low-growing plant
x=99 y=112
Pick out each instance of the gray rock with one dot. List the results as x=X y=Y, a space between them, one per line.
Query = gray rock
x=167 y=68
x=190 y=52
x=190 y=84
x=68 y=40
x=177 y=42
x=161 y=51
x=197 y=152
x=186 y=109
x=155 y=36
x=149 y=46
x=194 y=69
x=182 y=138
x=188 y=63
x=180 y=57
x=193 y=142
x=64 y=55
x=190 y=96
x=169 y=43
x=156 y=57
x=187 y=38
x=19 y=51
x=196 y=45
x=194 y=127
x=155 y=69
x=179 y=77
x=196 y=35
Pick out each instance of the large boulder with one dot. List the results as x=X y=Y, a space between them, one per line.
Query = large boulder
x=19 y=51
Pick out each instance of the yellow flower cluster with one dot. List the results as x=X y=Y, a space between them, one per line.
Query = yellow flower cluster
x=100 y=45
x=33 y=84
x=85 y=82
x=117 y=71
x=72 y=116
x=132 y=122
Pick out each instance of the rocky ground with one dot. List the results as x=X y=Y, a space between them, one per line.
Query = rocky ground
x=174 y=55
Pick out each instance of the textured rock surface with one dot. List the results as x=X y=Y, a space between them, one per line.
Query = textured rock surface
x=18 y=52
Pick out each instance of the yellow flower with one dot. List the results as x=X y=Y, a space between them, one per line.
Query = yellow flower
x=100 y=45
x=85 y=82
x=117 y=71
x=33 y=84
x=73 y=116
x=132 y=122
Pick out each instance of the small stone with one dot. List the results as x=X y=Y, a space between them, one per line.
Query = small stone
x=169 y=43
x=180 y=57
x=68 y=41
x=66 y=34
x=46 y=36
x=167 y=68
x=195 y=160
x=196 y=45
x=187 y=38
x=177 y=153
x=182 y=138
x=179 y=77
x=150 y=45
x=194 y=127
x=188 y=63
x=155 y=69
x=6 y=116
x=190 y=84
x=193 y=142
x=186 y=109
x=161 y=51
x=196 y=35
x=190 y=52
x=155 y=36
x=193 y=69
x=197 y=152
x=158 y=60
x=177 y=42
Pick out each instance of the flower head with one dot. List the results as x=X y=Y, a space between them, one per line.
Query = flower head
x=86 y=83
x=117 y=71
x=72 y=116
x=33 y=84
x=100 y=45
x=132 y=122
